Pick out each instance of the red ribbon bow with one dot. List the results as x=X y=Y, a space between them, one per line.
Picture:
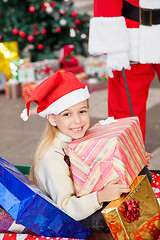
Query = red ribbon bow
x=130 y=210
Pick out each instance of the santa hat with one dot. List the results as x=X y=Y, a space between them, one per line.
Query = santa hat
x=57 y=93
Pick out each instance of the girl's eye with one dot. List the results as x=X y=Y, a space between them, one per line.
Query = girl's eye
x=66 y=114
x=83 y=111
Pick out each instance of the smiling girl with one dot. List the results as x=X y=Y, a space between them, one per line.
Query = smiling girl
x=63 y=101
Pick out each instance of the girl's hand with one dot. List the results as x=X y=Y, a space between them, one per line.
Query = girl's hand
x=112 y=191
x=148 y=156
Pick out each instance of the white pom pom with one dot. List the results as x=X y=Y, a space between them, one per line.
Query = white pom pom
x=24 y=115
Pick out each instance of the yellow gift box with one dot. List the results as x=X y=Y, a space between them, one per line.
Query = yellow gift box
x=136 y=215
x=8 y=51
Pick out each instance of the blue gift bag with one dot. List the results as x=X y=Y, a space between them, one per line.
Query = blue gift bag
x=29 y=206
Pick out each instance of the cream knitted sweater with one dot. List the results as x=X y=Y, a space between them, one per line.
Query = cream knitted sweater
x=54 y=178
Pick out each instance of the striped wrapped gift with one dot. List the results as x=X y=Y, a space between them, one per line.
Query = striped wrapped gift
x=106 y=152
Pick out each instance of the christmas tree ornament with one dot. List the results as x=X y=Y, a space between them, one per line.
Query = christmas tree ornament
x=43 y=31
x=0 y=37
x=77 y=22
x=35 y=29
x=62 y=11
x=83 y=36
x=74 y=14
x=85 y=20
x=52 y=4
x=72 y=32
x=49 y=10
x=30 y=38
x=32 y=9
x=43 y=5
x=22 y=34
x=40 y=46
x=58 y=30
x=15 y=31
x=63 y=22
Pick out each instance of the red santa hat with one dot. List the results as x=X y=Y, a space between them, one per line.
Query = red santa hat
x=57 y=93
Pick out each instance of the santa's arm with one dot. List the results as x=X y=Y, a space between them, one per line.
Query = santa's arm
x=108 y=35
x=108 y=31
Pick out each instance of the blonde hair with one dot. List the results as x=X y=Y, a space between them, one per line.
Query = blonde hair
x=45 y=142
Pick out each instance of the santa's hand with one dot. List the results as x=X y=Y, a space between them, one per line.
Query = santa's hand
x=117 y=61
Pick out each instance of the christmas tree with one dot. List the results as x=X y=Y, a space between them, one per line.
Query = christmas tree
x=43 y=26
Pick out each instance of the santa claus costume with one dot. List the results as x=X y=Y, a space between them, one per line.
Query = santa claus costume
x=127 y=31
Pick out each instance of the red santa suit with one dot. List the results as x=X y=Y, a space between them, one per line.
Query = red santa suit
x=127 y=31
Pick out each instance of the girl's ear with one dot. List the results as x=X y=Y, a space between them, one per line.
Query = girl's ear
x=51 y=120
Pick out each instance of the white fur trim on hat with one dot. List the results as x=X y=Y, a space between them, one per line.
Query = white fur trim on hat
x=108 y=34
x=66 y=101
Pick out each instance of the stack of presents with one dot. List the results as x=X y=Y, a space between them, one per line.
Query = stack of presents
x=109 y=149
x=20 y=76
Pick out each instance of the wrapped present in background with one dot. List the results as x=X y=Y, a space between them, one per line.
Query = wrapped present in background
x=45 y=68
x=95 y=85
x=106 y=152
x=136 y=215
x=67 y=57
x=82 y=76
x=75 y=69
x=2 y=81
x=29 y=206
x=8 y=51
x=12 y=89
x=27 y=89
x=26 y=72
x=14 y=66
x=95 y=67
x=22 y=70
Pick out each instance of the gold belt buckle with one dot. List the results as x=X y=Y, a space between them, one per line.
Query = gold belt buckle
x=150 y=16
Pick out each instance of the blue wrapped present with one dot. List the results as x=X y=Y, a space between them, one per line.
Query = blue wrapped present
x=29 y=206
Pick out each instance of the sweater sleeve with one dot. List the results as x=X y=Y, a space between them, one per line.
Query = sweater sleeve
x=54 y=176
x=108 y=31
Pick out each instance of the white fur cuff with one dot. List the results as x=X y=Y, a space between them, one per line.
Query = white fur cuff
x=108 y=35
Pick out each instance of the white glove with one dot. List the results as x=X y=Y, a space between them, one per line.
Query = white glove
x=117 y=61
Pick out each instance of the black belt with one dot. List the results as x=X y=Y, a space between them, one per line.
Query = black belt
x=144 y=16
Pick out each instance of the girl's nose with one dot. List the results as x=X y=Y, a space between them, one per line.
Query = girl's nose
x=77 y=118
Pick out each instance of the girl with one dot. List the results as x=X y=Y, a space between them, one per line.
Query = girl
x=63 y=100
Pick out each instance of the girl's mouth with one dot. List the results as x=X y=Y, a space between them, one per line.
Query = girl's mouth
x=77 y=129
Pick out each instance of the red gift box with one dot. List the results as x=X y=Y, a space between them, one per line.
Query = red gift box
x=12 y=89
x=45 y=68
x=27 y=90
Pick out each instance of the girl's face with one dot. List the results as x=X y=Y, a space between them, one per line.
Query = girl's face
x=73 y=121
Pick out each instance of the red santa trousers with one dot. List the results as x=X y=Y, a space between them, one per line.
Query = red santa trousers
x=139 y=79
